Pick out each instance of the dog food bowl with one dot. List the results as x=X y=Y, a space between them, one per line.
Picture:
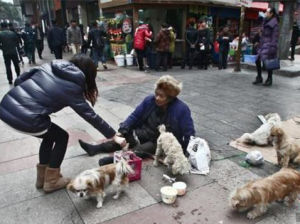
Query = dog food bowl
x=168 y=194
x=180 y=187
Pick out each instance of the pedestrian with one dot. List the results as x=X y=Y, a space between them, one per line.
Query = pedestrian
x=191 y=41
x=56 y=40
x=141 y=36
x=74 y=39
x=20 y=48
x=9 y=42
x=162 y=42
x=140 y=128
x=224 y=44
x=29 y=38
x=47 y=89
x=39 y=40
x=268 y=45
x=294 y=40
x=84 y=45
x=172 y=47
x=96 y=37
x=244 y=45
x=203 y=45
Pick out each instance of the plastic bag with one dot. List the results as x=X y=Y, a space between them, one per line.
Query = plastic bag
x=255 y=158
x=200 y=156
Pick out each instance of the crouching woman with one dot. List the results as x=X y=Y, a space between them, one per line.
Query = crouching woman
x=45 y=90
x=140 y=129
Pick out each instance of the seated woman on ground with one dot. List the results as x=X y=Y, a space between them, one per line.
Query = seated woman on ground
x=140 y=128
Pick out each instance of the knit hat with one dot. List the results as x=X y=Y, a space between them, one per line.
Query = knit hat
x=169 y=85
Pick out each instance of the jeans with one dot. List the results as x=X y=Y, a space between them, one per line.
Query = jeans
x=7 y=60
x=162 y=58
x=98 y=55
x=53 y=146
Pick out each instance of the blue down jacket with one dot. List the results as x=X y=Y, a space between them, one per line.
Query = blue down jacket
x=45 y=90
x=179 y=120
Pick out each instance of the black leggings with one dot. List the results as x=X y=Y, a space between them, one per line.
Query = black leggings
x=259 y=68
x=53 y=146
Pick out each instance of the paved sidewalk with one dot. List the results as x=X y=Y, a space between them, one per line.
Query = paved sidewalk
x=224 y=105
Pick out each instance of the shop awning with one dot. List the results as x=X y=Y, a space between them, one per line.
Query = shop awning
x=263 y=6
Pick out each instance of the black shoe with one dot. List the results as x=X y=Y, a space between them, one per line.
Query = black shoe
x=106 y=160
x=268 y=82
x=257 y=81
x=104 y=66
x=40 y=56
x=10 y=82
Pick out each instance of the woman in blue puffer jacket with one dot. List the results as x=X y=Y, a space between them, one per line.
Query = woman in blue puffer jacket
x=45 y=90
x=140 y=128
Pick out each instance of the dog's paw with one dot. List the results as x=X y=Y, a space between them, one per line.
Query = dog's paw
x=251 y=215
x=99 y=205
x=155 y=163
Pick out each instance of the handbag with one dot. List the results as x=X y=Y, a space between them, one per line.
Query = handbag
x=272 y=64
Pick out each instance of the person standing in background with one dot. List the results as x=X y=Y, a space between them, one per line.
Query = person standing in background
x=39 y=40
x=162 y=42
x=224 y=41
x=203 y=45
x=56 y=40
x=74 y=39
x=29 y=38
x=294 y=40
x=172 y=47
x=191 y=40
x=9 y=42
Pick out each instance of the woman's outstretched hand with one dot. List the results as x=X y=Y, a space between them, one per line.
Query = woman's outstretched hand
x=120 y=140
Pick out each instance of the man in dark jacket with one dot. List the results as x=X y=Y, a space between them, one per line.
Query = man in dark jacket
x=39 y=40
x=191 y=41
x=96 y=37
x=140 y=128
x=224 y=41
x=203 y=45
x=56 y=40
x=9 y=42
x=294 y=40
x=29 y=38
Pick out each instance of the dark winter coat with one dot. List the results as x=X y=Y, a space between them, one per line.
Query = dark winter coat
x=163 y=40
x=45 y=90
x=141 y=33
x=56 y=37
x=96 y=37
x=204 y=38
x=178 y=121
x=191 y=36
x=295 y=35
x=9 y=42
x=224 y=42
x=269 y=39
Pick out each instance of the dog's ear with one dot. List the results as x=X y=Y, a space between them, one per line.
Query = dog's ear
x=70 y=187
x=89 y=184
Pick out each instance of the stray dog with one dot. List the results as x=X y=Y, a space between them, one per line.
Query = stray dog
x=92 y=183
x=261 y=136
x=167 y=144
x=283 y=185
x=287 y=149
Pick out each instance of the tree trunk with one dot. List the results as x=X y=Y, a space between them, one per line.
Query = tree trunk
x=286 y=29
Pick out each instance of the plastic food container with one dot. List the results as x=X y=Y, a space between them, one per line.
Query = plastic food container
x=168 y=194
x=180 y=187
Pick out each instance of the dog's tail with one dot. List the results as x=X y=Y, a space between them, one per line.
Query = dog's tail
x=162 y=128
x=123 y=168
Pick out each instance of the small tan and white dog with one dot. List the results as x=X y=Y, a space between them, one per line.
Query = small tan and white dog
x=168 y=145
x=287 y=149
x=258 y=194
x=92 y=183
x=261 y=136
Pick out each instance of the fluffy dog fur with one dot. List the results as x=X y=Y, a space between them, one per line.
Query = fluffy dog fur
x=287 y=149
x=261 y=136
x=168 y=145
x=92 y=183
x=283 y=185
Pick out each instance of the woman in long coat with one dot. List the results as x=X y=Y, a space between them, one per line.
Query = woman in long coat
x=268 y=45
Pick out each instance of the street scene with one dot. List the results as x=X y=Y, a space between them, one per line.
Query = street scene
x=149 y=112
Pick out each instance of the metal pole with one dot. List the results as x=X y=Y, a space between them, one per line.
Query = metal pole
x=238 y=55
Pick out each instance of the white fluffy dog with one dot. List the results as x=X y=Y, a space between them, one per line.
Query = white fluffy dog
x=261 y=136
x=167 y=144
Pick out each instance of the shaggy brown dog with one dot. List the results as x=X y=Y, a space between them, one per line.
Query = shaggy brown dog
x=288 y=150
x=283 y=185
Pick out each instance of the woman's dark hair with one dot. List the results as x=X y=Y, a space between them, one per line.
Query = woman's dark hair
x=89 y=69
x=274 y=13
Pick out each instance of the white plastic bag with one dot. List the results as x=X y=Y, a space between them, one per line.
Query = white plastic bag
x=255 y=158
x=199 y=155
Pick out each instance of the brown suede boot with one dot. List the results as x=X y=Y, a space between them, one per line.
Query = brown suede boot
x=54 y=180
x=40 y=168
